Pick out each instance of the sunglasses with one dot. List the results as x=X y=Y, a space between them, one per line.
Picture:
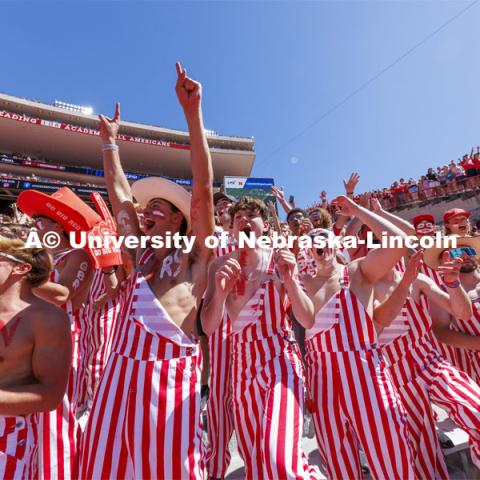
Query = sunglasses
x=457 y=252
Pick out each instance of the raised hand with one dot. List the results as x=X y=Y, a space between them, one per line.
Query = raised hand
x=449 y=268
x=278 y=194
x=109 y=126
x=375 y=205
x=323 y=196
x=413 y=267
x=306 y=226
x=345 y=206
x=286 y=264
x=351 y=183
x=189 y=92
x=271 y=206
x=226 y=276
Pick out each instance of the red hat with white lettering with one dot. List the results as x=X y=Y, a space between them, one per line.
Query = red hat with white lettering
x=62 y=206
x=455 y=212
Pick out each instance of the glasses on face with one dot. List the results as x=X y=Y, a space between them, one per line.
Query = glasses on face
x=458 y=252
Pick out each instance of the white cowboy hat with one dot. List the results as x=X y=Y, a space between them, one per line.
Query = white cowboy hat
x=432 y=255
x=155 y=187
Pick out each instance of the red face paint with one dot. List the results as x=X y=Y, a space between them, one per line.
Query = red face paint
x=8 y=331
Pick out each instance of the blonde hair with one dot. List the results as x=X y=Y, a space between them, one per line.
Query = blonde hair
x=38 y=258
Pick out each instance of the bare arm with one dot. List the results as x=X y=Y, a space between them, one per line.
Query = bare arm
x=119 y=191
x=441 y=320
x=73 y=280
x=387 y=310
x=222 y=277
x=455 y=302
x=380 y=261
x=400 y=223
x=51 y=360
x=189 y=94
x=280 y=196
x=273 y=213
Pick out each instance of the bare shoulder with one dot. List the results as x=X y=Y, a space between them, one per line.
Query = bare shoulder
x=48 y=319
x=77 y=256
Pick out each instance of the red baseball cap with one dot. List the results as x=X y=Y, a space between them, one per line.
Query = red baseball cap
x=423 y=218
x=455 y=212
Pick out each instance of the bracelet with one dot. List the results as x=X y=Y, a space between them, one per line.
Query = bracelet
x=109 y=146
x=350 y=193
x=111 y=272
x=455 y=284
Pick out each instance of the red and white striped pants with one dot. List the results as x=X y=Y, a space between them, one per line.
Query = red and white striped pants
x=145 y=420
x=58 y=430
x=268 y=398
x=18 y=447
x=356 y=405
x=219 y=406
x=455 y=392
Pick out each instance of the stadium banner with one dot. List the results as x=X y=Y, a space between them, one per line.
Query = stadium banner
x=52 y=187
x=260 y=188
x=86 y=130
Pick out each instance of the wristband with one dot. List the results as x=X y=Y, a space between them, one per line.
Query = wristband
x=109 y=146
x=455 y=284
x=111 y=272
x=350 y=193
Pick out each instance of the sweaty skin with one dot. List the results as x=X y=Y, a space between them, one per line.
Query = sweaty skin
x=35 y=353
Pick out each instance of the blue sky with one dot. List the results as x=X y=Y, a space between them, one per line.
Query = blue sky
x=269 y=70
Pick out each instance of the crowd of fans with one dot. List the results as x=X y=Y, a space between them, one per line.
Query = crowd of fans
x=455 y=177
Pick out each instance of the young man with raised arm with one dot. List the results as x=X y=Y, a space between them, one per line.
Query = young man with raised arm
x=35 y=355
x=354 y=401
x=250 y=286
x=145 y=419
x=419 y=372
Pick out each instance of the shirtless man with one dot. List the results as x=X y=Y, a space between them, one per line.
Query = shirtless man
x=250 y=287
x=35 y=354
x=354 y=401
x=418 y=371
x=68 y=287
x=152 y=379
x=463 y=334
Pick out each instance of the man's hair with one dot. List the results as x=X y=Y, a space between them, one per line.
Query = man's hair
x=248 y=203
x=293 y=211
x=183 y=225
x=38 y=258
x=325 y=217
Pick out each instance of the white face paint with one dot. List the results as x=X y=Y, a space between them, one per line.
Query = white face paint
x=425 y=228
x=123 y=220
x=80 y=275
x=171 y=265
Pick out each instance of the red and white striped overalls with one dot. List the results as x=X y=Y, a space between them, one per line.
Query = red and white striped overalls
x=219 y=406
x=59 y=429
x=145 y=420
x=469 y=360
x=354 y=401
x=268 y=389
x=18 y=447
x=96 y=338
x=422 y=376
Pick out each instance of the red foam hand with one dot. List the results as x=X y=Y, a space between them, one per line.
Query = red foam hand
x=104 y=252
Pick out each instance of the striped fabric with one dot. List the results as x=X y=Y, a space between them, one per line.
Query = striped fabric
x=268 y=392
x=59 y=430
x=421 y=377
x=145 y=420
x=18 y=447
x=469 y=360
x=219 y=408
x=354 y=402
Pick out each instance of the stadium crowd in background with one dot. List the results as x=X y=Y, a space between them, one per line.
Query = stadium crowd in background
x=142 y=362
